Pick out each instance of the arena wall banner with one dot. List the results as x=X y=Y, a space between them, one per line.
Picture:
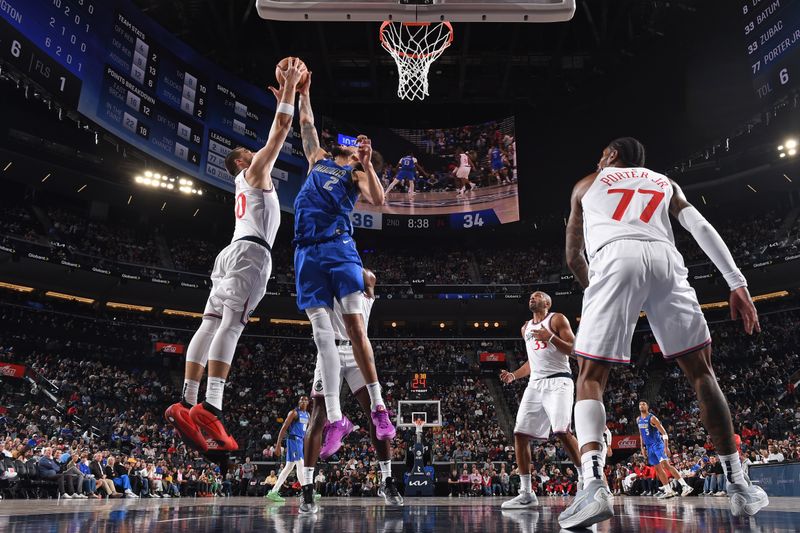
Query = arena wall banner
x=170 y=348
x=778 y=479
x=487 y=357
x=625 y=442
x=10 y=370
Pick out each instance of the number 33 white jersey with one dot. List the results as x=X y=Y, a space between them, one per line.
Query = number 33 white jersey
x=626 y=203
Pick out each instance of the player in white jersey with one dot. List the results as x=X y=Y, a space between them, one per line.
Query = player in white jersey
x=620 y=218
x=465 y=165
x=239 y=280
x=547 y=401
x=333 y=434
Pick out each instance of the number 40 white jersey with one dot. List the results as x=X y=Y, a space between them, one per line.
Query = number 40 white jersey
x=627 y=203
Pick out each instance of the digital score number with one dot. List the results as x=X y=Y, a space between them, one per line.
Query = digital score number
x=419 y=383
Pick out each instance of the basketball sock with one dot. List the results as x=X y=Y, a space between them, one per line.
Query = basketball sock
x=525 y=483
x=580 y=478
x=283 y=475
x=682 y=481
x=308 y=476
x=592 y=465
x=667 y=488
x=375 y=398
x=214 y=391
x=732 y=465
x=386 y=469
x=190 y=390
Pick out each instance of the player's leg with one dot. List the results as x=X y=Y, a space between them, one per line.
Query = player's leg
x=411 y=183
x=392 y=185
x=311 y=447
x=207 y=414
x=388 y=486
x=663 y=477
x=671 y=470
x=531 y=423
x=196 y=358
x=557 y=402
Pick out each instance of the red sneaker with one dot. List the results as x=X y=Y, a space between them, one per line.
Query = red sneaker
x=177 y=414
x=216 y=437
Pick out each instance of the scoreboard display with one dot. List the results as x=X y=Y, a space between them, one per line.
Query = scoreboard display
x=771 y=30
x=134 y=79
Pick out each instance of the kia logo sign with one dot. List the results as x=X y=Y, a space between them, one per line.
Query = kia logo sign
x=422 y=483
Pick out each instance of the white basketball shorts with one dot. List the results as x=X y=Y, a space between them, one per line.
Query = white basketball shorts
x=627 y=277
x=463 y=173
x=348 y=370
x=239 y=280
x=546 y=404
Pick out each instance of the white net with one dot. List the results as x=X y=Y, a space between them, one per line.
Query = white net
x=414 y=47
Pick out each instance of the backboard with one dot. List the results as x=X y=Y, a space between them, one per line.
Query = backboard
x=430 y=411
x=418 y=10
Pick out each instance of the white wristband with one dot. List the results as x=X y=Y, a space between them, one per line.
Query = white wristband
x=665 y=438
x=286 y=109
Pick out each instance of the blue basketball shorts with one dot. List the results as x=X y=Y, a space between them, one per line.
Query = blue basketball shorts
x=294 y=449
x=406 y=175
x=326 y=271
x=656 y=454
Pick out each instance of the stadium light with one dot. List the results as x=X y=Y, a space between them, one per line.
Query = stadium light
x=486 y=324
x=148 y=173
x=788 y=148
x=476 y=325
x=394 y=324
x=139 y=179
x=497 y=324
x=441 y=325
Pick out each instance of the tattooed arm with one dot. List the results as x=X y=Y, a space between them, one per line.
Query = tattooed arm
x=308 y=132
x=576 y=261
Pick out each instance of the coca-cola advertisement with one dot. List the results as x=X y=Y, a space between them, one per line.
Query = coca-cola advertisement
x=169 y=348
x=12 y=371
x=625 y=442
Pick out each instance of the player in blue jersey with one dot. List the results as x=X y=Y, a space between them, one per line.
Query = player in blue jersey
x=406 y=173
x=294 y=429
x=327 y=264
x=655 y=449
x=498 y=161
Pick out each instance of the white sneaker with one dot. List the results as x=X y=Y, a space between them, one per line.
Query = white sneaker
x=595 y=504
x=81 y=496
x=686 y=490
x=720 y=493
x=746 y=499
x=66 y=496
x=157 y=495
x=525 y=500
x=667 y=495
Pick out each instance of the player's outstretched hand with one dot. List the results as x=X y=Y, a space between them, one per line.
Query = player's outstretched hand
x=506 y=376
x=364 y=150
x=305 y=87
x=293 y=74
x=742 y=306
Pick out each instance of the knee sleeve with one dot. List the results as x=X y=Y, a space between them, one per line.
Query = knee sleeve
x=353 y=304
x=590 y=422
x=197 y=352
x=223 y=345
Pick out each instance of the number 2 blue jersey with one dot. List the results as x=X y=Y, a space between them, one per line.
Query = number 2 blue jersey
x=651 y=437
x=407 y=164
x=322 y=207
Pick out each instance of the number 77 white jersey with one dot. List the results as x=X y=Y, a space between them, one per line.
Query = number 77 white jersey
x=627 y=203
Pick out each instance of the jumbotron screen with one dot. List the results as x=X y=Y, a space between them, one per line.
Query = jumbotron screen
x=461 y=178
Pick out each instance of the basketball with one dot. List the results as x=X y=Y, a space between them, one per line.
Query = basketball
x=283 y=64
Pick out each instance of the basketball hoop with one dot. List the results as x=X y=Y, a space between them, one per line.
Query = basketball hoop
x=414 y=46
x=419 y=423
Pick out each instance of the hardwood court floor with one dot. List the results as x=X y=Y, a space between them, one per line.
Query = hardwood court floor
x=370 y=515
x=502 y=198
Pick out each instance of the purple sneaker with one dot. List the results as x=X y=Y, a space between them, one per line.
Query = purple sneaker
x=334 y=435
x=384 y=430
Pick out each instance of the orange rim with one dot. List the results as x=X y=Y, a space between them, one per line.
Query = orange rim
x=447 y=43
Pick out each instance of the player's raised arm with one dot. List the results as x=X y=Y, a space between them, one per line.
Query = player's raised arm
x=576 y=260
x=308 y=131
x=367 y=181
x=714 y=247
x=259 y=172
